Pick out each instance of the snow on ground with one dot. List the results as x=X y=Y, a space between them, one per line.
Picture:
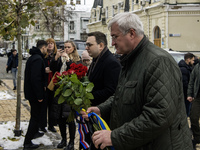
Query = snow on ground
x=4 y=95
x=9 y=141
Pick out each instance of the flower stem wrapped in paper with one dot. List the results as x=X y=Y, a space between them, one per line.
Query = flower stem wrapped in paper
x=74 y=88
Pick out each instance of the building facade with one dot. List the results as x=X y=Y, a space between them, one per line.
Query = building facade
x=168 y=24
x=76 y=28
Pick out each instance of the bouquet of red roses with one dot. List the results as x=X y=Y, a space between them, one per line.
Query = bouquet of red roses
x=74 y=88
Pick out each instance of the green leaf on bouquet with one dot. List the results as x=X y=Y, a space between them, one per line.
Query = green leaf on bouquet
x=78 y=101
x=68 y=85
x=77 y=94
x=89 y=87
x=69 y=99
x=81 y=88
x=86 y=101
x=61 y=99
x=74 y=79
x=89 y=96
x=74 y=86
x=57 y=92
x=67 y=93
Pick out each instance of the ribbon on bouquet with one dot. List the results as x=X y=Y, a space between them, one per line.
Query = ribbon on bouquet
x=82 y=128
x=98 y=124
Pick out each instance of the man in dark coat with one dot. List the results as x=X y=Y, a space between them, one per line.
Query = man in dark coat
x=104 y=70
x=186 y=68
x=193 y=94
x=147 y=110
x=34 y=90
x=12 y=65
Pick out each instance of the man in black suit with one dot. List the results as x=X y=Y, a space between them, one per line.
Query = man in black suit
x=34 y=88
x=104 y=70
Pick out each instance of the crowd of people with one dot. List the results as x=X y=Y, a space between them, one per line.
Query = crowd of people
x=144 y=96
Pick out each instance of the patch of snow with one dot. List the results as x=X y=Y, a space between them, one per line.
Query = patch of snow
x=7 y=134
x=4 y=95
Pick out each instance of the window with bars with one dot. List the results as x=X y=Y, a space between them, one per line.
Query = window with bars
x=78 y=1
x=71 y=25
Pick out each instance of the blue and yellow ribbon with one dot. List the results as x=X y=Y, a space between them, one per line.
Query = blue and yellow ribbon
x=100 y=122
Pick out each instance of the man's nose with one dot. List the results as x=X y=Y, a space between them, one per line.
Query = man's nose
x=113 y=42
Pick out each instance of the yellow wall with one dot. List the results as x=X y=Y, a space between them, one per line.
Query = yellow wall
x=171 y=19
x=189 y=29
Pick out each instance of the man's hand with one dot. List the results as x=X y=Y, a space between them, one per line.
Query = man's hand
x=102 y=138
x=90 y=109
x=190 y=99
x=40 y=100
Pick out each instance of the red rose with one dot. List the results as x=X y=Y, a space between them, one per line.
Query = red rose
x=65 y=73
x=56 y=79
x=73 y=66
x=70 y=71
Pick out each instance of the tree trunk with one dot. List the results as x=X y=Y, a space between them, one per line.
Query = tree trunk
x=18 y=108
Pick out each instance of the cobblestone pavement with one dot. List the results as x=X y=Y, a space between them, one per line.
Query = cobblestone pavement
x=8 y=113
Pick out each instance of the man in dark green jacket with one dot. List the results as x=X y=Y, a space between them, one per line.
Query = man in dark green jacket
x=193 y=94
x=147 y=110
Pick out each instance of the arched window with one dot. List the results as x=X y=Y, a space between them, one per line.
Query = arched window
x=157 y=33
x=157 y=36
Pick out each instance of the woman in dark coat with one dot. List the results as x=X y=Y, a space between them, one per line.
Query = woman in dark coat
x=61 y=63
x=51 y=52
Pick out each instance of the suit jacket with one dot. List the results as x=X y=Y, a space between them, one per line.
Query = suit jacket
x=105 y=77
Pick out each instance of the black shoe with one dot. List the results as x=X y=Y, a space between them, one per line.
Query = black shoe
x=70 y=146
x=43 y=130
x=38 y=134
x=52 y=129
x=30 y=146
x=62 y=144
x=14 y=88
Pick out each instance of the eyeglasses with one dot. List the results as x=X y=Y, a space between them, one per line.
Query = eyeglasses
x=88 y=44
x=114 y=37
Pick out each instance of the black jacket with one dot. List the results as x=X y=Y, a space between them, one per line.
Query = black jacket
x=59 y=110
x=34 y=79
x=10 y=62
x=105 y=77
x=185 y=70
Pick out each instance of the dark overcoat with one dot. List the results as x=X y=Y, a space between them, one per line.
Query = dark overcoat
x=34 y=79
x=105 y=77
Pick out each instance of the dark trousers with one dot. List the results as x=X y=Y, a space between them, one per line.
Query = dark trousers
x=72 y=129
x=47 y=107
x=34 y=120
x=188 y=107
x=194 y=118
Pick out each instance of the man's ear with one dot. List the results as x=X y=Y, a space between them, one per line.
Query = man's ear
x=132 y=33
x=101 y=46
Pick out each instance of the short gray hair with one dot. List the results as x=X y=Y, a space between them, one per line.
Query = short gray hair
x=127 y=21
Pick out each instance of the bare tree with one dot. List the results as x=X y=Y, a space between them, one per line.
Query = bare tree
x=16 y=15
x=54 y=17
